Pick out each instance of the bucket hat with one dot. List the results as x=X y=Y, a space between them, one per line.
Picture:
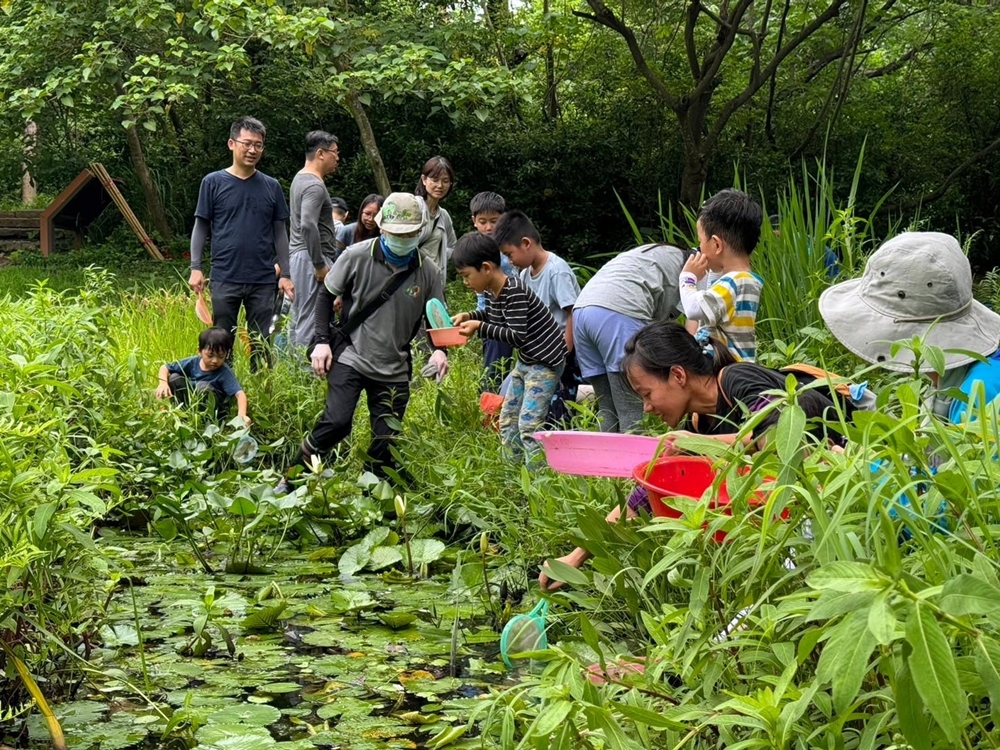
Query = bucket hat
x=916 y=284
x=400 y=214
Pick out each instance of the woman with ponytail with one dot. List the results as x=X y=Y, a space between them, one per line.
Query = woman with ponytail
x=678 y=376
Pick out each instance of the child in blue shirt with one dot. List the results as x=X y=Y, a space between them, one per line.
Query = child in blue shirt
x=207 y=372
x=553 y=282
x=516 y=316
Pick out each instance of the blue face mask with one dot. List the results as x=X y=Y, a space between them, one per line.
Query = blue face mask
x=399 y=250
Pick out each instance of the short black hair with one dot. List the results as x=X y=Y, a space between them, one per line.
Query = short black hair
x=474 y=249
x=487 y=203
x=512 y=226
x=250 y=124
x=318 y=139
x=216 y=340
x=735 y=217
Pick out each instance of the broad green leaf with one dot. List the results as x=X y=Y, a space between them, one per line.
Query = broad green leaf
x=788 y=433
x=910 y=712
x=243 y=506
x=882 y=619
x=355 y=558
x=40 y=521
x=551 y=717
x=560 y=571
x=833 y=603
x=987 y=655
x=968 y=595
x=425 y=551
x=847 y=576
x=844 y=661
x=383 y=557
x=251 y=714
x=933 y=660
x=266 y=618
x=645 y=716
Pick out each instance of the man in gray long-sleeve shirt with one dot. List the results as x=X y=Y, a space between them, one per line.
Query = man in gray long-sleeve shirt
x=313 y=239
x=244 y=212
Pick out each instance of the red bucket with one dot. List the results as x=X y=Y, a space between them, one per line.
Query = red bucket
x=686 y=476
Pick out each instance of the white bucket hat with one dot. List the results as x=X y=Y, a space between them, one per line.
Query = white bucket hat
x=916 y=284
x=401 y=213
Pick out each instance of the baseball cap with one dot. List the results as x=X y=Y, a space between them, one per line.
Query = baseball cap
x=401 y=213
x=915 y=284
x=339 y=203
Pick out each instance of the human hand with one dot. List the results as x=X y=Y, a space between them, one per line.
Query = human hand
x=320 y=273
x=338 y=303
x=286 y=287
x=196 y=281
x=246 y=420
x=469 y=327
x=440 y=360
x=163 y=390
x=460 y=318
x=697 y=264
x=322 y=359
x=573 y=559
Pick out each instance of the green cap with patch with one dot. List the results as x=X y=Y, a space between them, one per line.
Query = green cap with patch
x=400 y=214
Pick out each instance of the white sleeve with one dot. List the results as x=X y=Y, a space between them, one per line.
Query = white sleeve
x=690 y=296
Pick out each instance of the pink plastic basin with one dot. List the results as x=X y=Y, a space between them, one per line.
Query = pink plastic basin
x=596 y=454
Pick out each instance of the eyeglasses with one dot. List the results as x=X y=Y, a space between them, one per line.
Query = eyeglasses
x=334 y=151
x=250 y=145
x=442 y=181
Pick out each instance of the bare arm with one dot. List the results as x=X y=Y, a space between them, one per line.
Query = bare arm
x=241 y=406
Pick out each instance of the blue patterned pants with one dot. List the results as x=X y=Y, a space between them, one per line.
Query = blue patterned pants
x=525 y=407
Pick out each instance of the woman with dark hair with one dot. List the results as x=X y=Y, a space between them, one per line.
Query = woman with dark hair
x=437 y=240
x=676 y=377
x=364 y=228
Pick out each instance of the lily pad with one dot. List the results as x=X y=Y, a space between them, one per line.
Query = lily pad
x=246 y=713
x=397 y=620
x=352 y=601
x=233 y=737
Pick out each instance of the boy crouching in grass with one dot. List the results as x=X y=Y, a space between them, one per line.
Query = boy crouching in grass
x=516 y=316
x=205 y=373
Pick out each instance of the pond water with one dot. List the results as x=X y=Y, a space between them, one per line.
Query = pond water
x=367 y=662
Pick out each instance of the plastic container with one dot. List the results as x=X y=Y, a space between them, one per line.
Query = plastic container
x=596 y=454
x=686 y=476
x=447 y=337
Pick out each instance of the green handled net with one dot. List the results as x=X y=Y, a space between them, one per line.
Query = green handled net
x=437 y=314
x=525 y=633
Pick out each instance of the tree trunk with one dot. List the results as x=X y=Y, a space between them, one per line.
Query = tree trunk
x=154 y=206
x=368 y=141
x=551 y=106
x=29 y=191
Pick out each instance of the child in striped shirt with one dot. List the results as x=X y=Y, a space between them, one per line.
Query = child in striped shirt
x=728 y=230
x=516 y=316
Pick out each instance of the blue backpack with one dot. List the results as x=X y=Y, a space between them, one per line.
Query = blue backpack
x=988 y=373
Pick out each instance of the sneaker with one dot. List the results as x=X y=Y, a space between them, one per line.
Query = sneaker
x=284 y=487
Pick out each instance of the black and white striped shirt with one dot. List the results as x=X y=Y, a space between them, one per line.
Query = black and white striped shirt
x=517 y=317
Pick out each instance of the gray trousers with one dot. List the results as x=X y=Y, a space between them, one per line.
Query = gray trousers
x=302 y=323
x=618 y=408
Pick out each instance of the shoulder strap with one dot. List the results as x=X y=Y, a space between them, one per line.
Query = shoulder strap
x=355 y=320
x=718 y=379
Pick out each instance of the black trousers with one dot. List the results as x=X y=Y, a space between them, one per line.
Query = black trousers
x=386 y=406
x=258 y=301
x=182 y=389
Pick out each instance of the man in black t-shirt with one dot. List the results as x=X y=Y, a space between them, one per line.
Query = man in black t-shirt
x=244 y=212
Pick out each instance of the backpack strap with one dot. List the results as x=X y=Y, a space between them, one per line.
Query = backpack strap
x=718 y=379
x=841 y=388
